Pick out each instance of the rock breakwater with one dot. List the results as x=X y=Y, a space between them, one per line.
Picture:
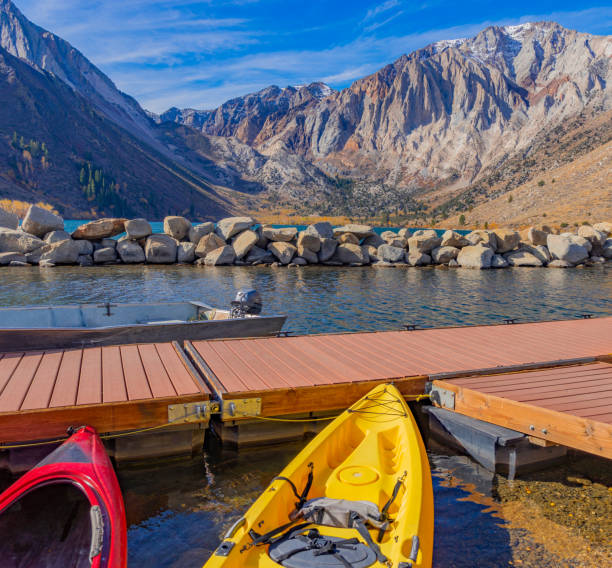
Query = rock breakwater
x=41 y=240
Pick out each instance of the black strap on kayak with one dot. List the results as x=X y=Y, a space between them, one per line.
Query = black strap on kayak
x=320 y=545
x=304 y=495
x=384 y=514
x=356 y=521
x=267 y=538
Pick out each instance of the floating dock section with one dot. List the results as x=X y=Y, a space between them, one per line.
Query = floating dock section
x=512 y=376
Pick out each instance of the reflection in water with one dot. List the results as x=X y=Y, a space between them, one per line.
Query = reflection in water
x=177 y=512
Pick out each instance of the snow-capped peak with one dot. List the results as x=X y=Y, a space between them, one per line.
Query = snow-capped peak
x=446 y=43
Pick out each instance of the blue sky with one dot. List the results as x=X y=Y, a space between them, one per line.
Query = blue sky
x=198 y=54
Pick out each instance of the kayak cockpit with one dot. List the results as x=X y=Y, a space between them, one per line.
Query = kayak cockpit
x=53 y=526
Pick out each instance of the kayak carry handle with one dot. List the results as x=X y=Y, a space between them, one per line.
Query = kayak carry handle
x=232 y=530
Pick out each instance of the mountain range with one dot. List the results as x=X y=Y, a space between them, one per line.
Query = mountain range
x=435 y=133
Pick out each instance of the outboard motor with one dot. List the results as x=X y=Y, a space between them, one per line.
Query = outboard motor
x=246 y=302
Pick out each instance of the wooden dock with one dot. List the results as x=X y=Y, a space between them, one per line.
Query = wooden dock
x=239 y=381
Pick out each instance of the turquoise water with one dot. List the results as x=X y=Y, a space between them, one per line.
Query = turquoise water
x=177 y=512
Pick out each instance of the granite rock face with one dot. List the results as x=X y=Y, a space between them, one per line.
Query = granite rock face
x=100 y=229
x=423 y=241
x=177 y=227
x=138 y=229
x=130 y=252
x=18 y=241
x=196 y=232
x=475 y=256
x=8 y=219
x=283 y=251
x=221 y=256
x=161 y=249
x=208 y=243
x=562 y=247
x=39 y=221
x=230 y=226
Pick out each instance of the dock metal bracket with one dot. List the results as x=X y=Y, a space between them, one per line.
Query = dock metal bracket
x=189 y=412
x=240 y=408
x=442 y=397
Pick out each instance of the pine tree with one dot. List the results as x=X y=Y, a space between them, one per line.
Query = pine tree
x=82 y=176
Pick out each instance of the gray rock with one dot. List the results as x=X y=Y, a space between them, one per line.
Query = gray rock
x=453 y=239
x=398 y=241
x=348 y=253
x=328 y=248
x=506 y=240
x=18 y=263
x=39 y=221
x=423 y=241
x=371 y=252
x=360 y=231
x=606 y=251
x=347 y=238
x=8 y=219
x=308 y=255
x=62 y=252
x=56 y=237
x=176 y=226
x=283 y=251
x=259 y=255
x=562 y=247
x=130 y=252
x=374 y=240
x=389 y=253
x=537 y=236
x=8 y=257
x=405 y=233
x=85 y=247
x=196 y=232
x=138 y=229
x=417 y=259
x=597 y=259
x=482 y=237
x=46 y=264
x=108 y=243
x=559 y=264
x=323 y=230
x=244 y=242
x=86 y=260
x=185 y=253
x=475 y=256
x=454 y=264
x=230 y=226
x=222 y=256
x=604 y=227
x=593 y=235
x=309 y=241
x=208 y=243
x=498 y=261
x=17 y=241
x=100 y=229
x=160 y=249
x=280 y=235
x=581 y=241
x=262 y=242
x=388 y=235
x=298 y=261
x=444 y=254
x=105 y=254
x=540 y=252
x=522 y=258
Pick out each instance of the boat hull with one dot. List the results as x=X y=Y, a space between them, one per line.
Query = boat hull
x=368 y=452
x=62 y=338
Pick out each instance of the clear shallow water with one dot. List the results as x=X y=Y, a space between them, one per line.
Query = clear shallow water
x=177 y=512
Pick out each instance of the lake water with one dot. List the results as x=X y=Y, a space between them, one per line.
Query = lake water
x=177 y=512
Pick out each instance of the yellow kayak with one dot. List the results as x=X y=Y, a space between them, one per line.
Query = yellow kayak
x=358 y=495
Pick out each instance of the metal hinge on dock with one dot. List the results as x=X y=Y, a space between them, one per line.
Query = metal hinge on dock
x=189 y=412
x=240 y=408
x=442 y=397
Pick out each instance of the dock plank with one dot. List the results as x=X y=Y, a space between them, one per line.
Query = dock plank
x=90 y=383
x=8 y=364
x=159 y=382
x=113 y=381
x=182 y=380
x=136 y=383
x=41 y=387
x=67 y=382
x=16 y=389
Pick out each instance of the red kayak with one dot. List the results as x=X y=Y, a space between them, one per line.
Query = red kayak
x=66 y=512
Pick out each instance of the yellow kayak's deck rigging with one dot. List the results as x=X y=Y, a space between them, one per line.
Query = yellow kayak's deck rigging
x=371 y=453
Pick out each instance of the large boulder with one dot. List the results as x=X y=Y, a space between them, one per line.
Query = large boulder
x=562 y=247
x=498 y=261
x=350 y=254
x=398 y=241
x=581 y=241
x=522 y=258
x=323 y=230
x=176 y=226
x=453 y=239
x=371 y=252
x=185 y=253
x=230 y=226
x=8 y=219
x=309 y=241
x=423 y=241
x=308 y=255
x=347 y=238
x=39 y=221
x=56 y=237
x=405 y=233
x=222 y=256
x=138 y=229
x=475 y=256
x=196 y=232
x=257 y=255
x=284 y=251
x=105 y=254
x=161 y=249
x=537 y=236
x=244 y=242
x=8 y=257
x=606 y=251
x=328 y=249
x=374 y=240
x=482 y=237
x=360 y=231
x=604 y=227
x=507 y=240
x=100 y=229
x=595 y=237
x=130 y=252
x=388 y=253
x=85 y=260
x=279 y=234
x=417 y=258
x=208 y=243
x=85 y=247
x=444 y=254
x=107 y=243
x=540 y=252
x=12 y=240
x=62 y=252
